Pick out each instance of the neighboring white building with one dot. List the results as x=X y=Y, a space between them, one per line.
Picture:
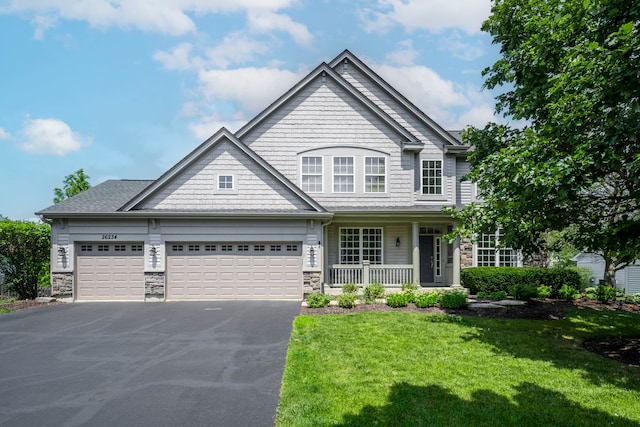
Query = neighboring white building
x=627 y=279
x=342 y=179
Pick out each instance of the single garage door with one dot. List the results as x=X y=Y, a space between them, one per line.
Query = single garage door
x=234 y=271
x=110 y=272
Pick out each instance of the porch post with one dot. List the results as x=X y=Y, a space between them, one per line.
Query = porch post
x=455 y=279
x=415 y=235
x=366 y=272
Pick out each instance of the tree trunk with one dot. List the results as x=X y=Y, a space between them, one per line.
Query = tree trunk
x=609 y=271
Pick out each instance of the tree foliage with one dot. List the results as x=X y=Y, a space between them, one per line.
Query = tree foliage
x=73 y=184
x=571 y=71
x=24 y=255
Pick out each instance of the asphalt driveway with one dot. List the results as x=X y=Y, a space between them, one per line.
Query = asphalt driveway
x=144 y=364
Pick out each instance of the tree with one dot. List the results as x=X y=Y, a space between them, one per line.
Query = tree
x=74 y=183
x=24 y=255
x=570 y=70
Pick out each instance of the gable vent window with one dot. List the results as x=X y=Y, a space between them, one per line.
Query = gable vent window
x=343 y=175
x=312 y=174
x=374 y=174
x=225 y=182
x=432 y=177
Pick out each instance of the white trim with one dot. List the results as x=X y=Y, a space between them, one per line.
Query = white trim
x=360 y=247
x=333 y=174
x=302 y=174
x=442 y=180
x=233 y=182
x=384 y=175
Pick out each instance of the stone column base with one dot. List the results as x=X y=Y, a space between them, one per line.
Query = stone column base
x=154 y=286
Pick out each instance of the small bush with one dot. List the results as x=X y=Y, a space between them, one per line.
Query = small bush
x=347 y=300
x=544 y=291
x=318 y=300
x=428 y=299
x=372 y=292
x=498 y=295
x=409 y=287
x=524 y=292
x=455 y=299
x=397 y=300
x=590 y=293
x=605 y=294
x=482 y=294
x=568 y=292
x=350 y=288
x=636 y=299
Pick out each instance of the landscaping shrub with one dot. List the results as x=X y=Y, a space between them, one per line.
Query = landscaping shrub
x=493 y=279
x=350 y=288
x=397 y=300
x=590 y=293
x=585 y=275
x=428 y=299
x=409 y=290
x=568 y=292
x=605 y=294
x=482 y=294
x=372 y=292
x=544 y=291
x=347 y=300
x=498 y=295
x=318 y=300
x=455 y=299
x=524 y=292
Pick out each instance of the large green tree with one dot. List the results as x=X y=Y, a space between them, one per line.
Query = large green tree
x=570 y=70
x=24 y=255
x=73 y=184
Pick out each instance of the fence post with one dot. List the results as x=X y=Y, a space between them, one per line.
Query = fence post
x=366 y=272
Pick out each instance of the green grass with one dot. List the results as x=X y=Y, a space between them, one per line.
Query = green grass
x=4 y=310
x=411 y=369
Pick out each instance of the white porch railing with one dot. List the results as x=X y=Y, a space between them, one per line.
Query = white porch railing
x=364 y=274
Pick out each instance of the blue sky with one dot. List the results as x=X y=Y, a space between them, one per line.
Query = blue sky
x=125 y=88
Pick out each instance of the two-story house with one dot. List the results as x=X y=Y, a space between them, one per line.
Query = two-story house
x=341 y=180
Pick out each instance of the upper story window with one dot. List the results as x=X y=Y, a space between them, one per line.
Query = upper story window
x=343 y=175
x=432 y=177
x=225 y=182
x=488 y=254
x=374 y=174
x=312 y=174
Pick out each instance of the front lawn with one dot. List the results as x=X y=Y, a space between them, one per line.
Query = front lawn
x=412 y=369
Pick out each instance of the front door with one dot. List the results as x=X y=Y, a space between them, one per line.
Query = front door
x=426 y=260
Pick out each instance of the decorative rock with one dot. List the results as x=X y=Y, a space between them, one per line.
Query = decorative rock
x=511 y=303
x=45 y=299
x=486 y=306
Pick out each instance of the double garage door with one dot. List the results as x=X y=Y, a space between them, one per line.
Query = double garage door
x=234 y=271
x=115 y=272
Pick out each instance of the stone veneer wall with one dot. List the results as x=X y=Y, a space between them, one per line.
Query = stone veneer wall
x=466 y=253
x=61 y=284
x=311 y=282
x=154 y=285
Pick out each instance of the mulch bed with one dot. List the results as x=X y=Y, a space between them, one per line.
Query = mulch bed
x=26 y=304
x=624 y=350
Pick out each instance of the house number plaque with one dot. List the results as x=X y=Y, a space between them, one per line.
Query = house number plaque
x=109 y=237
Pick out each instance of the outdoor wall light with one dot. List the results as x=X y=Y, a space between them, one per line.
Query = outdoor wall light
x=397 y=242
x=153 y=250
x=62 y=251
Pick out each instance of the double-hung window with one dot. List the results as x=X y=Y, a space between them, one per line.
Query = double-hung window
x=374 y=175
x=489 y=255
x=432 y=177
x=312 y=174
x=343 y=175
x=360 y=244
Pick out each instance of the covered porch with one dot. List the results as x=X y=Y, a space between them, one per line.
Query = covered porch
x=391 y=252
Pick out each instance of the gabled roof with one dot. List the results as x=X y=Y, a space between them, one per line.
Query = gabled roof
x=106 y=197
x=217 y=138
x=353 y=60
x=325 y=71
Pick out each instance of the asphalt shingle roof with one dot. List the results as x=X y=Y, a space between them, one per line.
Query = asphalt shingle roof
x=108 y=196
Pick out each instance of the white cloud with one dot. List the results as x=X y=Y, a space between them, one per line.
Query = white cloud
x=178 y=58
x=235 y=48
x=267 y=21
x=405 y=54
x=51 y=136
x=252 y=88
x=207 y=125
x=433 y=15
x=460 y=49
x=162 y=16
x=4 y=134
